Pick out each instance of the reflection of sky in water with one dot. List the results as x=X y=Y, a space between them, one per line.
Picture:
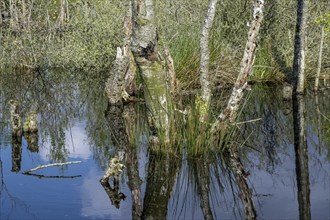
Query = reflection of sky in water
x=274 y=194
x=96 y=203
x=75 y=141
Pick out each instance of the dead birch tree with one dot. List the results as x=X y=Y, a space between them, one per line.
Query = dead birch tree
x=140 y=53
x=228 y=115
x=205 y=55
x=120 y=84
x=299 y=48
x=154 y=72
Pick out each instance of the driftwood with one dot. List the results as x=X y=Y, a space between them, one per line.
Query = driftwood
x=50 y=165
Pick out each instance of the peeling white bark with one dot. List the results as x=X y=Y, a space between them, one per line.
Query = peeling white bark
x=205 y=53
x=228 y=115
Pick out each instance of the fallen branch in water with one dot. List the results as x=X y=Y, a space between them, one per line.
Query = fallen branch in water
x=50 y=165
x=51 y=177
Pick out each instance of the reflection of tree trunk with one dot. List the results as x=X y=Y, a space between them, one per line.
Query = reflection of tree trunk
x=119 y=138
x=240 y=177
x=160 y=182
x=318 y=113
x=16 y=155
x=121 y=120
x=32 y=141
x=301 y=152
x=15 y=118
x=203 y=187
x=319 y=62
x=114 y=195
x=134 y=180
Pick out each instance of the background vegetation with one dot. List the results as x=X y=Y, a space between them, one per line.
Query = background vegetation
x=31 y=36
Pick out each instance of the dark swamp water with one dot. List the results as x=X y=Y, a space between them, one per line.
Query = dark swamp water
x=268 y=176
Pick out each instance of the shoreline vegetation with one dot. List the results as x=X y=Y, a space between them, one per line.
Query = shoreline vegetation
x=84 y=35
x=136 y=43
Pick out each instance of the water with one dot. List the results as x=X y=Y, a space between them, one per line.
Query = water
x=74 y=127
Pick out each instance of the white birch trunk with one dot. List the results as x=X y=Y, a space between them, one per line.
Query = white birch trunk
x=228 y=115
x=319 y=62
x=205 y=53
x=299 y=48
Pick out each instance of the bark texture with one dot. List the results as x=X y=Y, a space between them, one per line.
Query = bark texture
x=151 y=68
x=115 y=85
x=121 y=82
x=299 y=48
x=228 y=115
x=205 y=53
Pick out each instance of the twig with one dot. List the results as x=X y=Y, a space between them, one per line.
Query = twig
x=325 y=117
x=243 y=122
x=50 y=165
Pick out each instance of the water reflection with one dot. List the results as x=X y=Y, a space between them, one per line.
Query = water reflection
x=258 y=176
x=160 y=182
x=245 y=193
x=301 y=154
x=16 y=155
